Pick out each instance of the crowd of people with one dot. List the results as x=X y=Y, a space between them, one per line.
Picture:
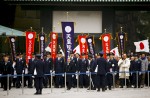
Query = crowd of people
x=37 y=72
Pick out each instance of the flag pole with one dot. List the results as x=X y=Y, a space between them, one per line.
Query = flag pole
x=104 y=30
x=12 y=32
x=42 y=30
x=121 y=29
x=67 y=15
x=31 y=29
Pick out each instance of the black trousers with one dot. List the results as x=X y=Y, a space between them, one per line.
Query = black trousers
x=93 y=81
x=58 y=81
x=30 y=81
x=100 y=81
x=38 y=83
x=14 y=82
x=26 y=80
x=4 y=80
x=69 y=81
x=19 y=81
x=74 y=81
x=109 y=80
x=47 y=81
x=83 y=80
x=122 y=82
x=134 y=80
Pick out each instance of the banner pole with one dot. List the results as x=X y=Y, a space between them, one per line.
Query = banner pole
x=67 y=15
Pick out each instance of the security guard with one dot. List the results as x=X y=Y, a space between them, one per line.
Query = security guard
x=38 y=70
x=48 y=69
x=135 y=66
x=92 y=66
x=109 y=77
x=20 y=66
x=31 y=64
x=83 y=68
x=69 y=69
x=58 y=69
x=6 y=68
x=73 y=61
x=101 y=72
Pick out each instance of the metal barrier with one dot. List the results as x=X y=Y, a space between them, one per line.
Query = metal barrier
x=77 y=75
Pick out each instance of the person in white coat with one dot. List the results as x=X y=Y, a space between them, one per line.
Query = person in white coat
x=124 y=65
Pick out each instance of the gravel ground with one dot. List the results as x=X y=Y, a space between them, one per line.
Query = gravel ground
x=81 y=93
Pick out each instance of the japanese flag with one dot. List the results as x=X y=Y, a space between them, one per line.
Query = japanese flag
x=115 y=51
x=76 y=49
x=48 y=48
x=142 y=46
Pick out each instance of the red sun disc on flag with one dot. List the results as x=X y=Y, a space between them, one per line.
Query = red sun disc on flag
x=141 y=45
x=114 y=52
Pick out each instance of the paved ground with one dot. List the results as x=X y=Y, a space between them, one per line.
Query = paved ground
x=82 y=93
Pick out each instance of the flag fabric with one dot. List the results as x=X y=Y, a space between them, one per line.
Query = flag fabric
x=48 y=48
x=121 y=37
x=30 y=39
x=90 y=43
x=82 y=44
x=142 y=46
x=12 y=41
x=115 y=51
x=60 y=49
x=54 y=39
x=68 y=37
x=106 y=38
x=76 y=49
x=42 y=44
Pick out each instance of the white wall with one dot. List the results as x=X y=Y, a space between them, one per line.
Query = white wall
x=85 y=21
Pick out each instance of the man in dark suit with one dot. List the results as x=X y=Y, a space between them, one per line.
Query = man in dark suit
x=92 y=67
x=38 y=71
x=48 y=69
x=135 y=65
x=83 y=68
x=20 y=66
x=101 y=72
x=69 y=68
x=6 y=68
x=109 y=77
x=73 y=62
x=31 y=64
x=59 y=68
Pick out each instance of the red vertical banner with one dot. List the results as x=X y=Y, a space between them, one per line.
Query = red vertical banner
x=106 y=43
x=54 y=39
x=30 y=39
x=82 y=44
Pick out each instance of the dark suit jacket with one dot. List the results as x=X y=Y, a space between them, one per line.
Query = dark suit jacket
x=69 y=67
x=102 y=66
x=6 y=68
x=59 y=65
x=20 y=66
x=83 y=65
x=31 y=65
x=92 y=65
x=39 y=66
x=48 y=65
x=74 y=64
